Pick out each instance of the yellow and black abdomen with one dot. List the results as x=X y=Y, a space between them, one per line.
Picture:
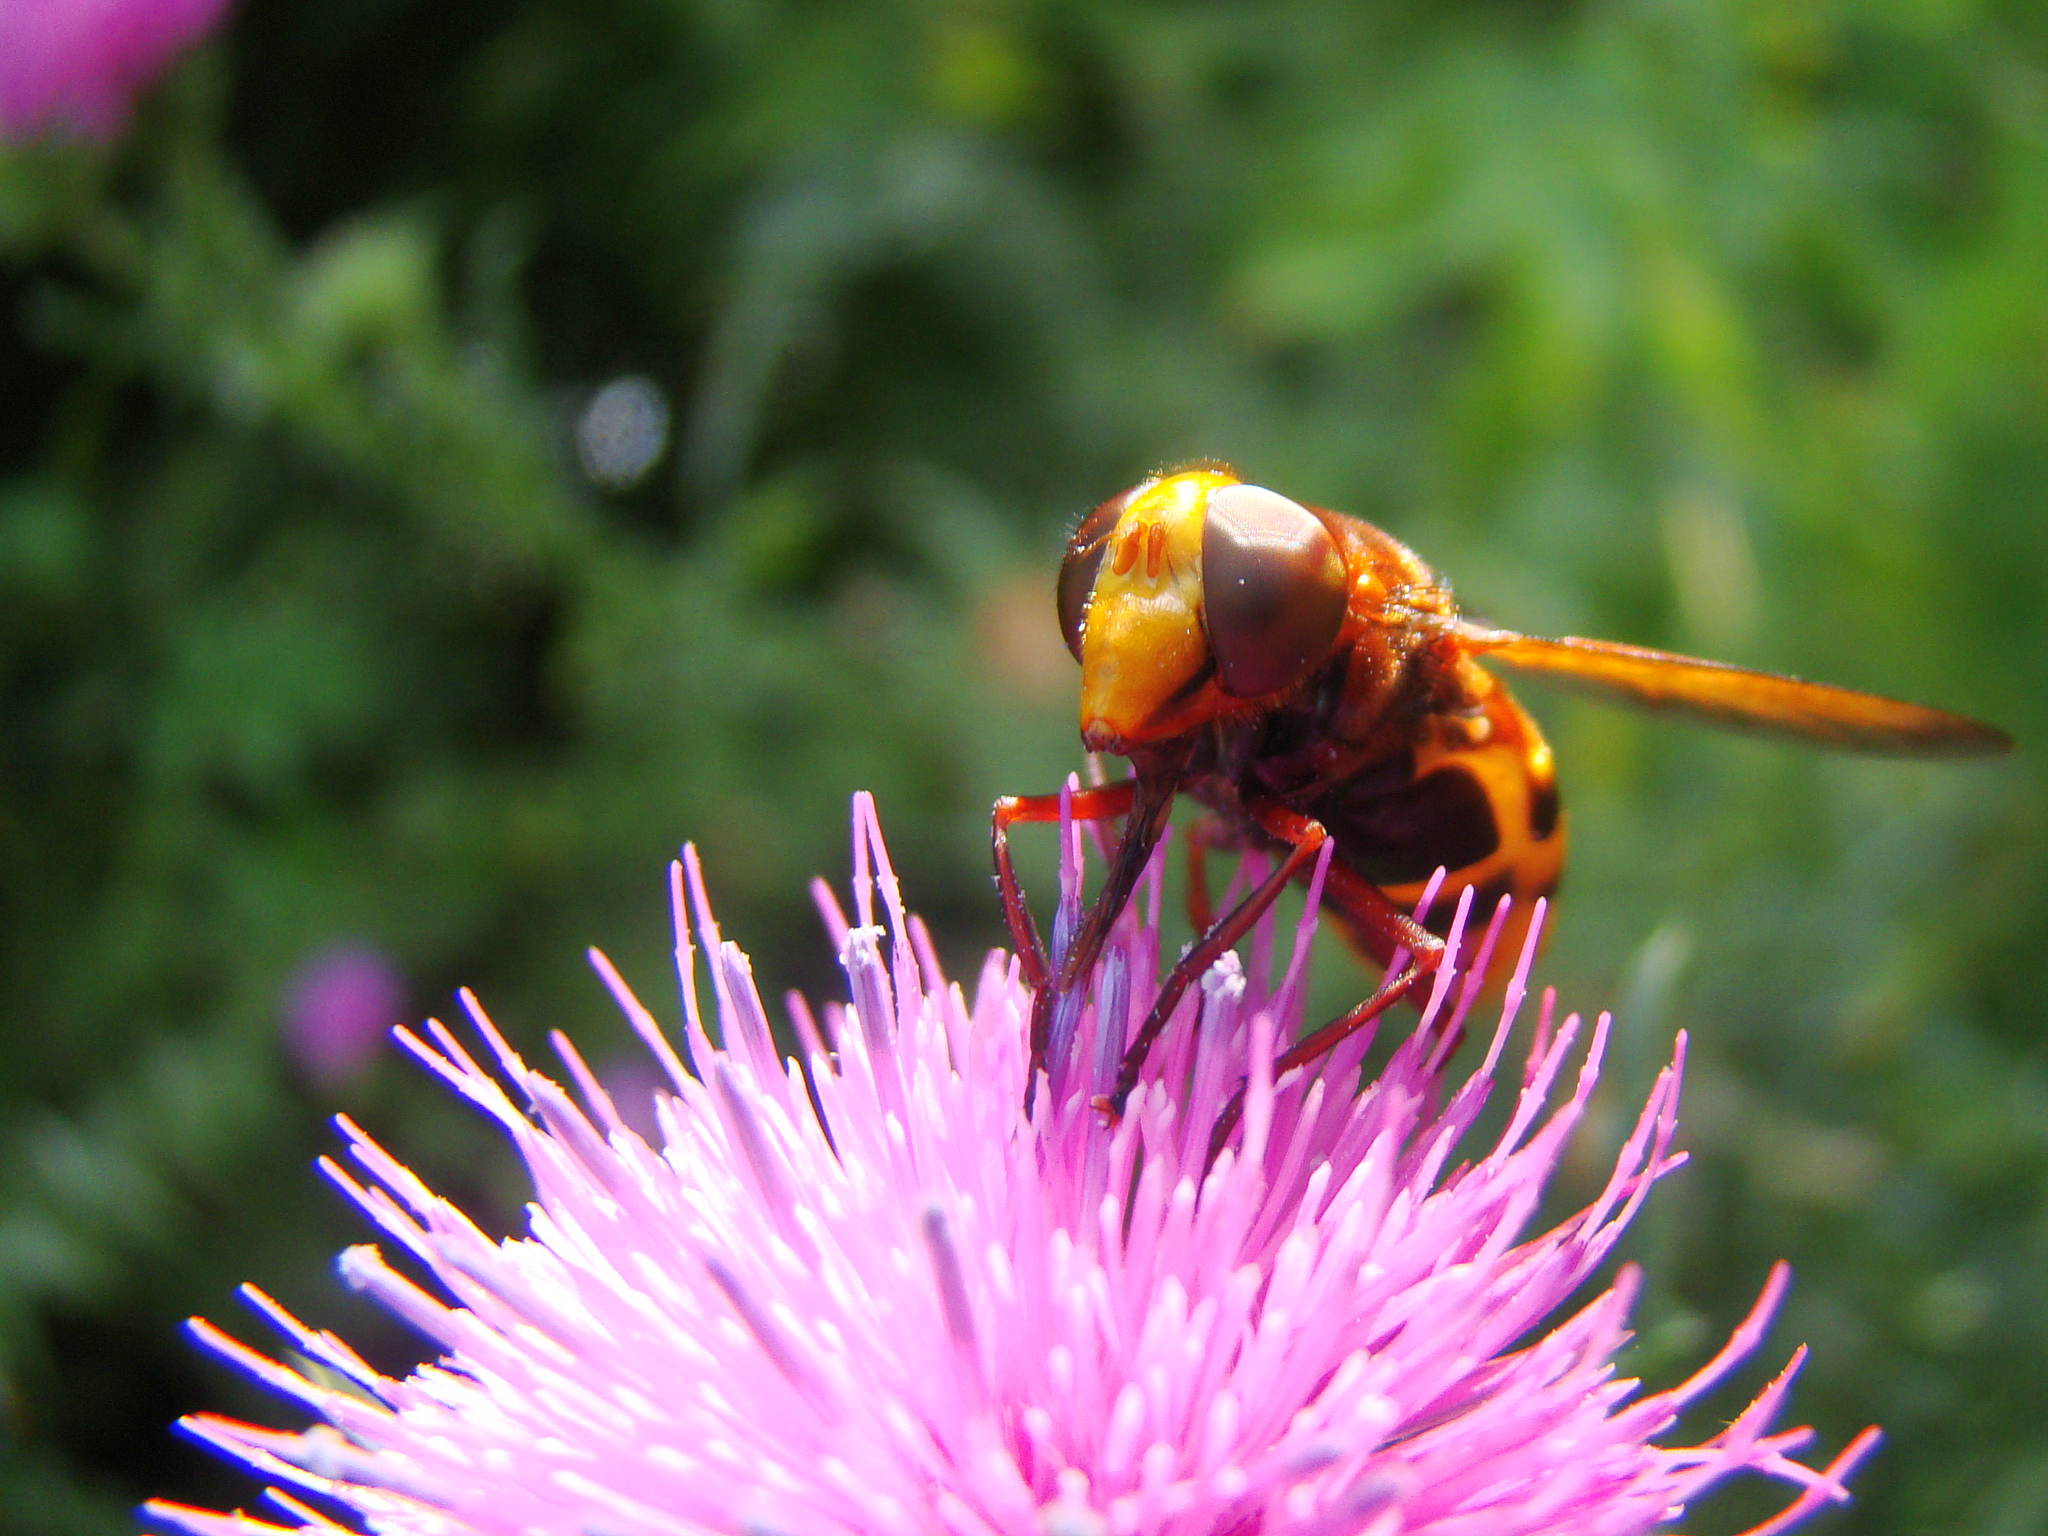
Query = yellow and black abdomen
x=1479 y=801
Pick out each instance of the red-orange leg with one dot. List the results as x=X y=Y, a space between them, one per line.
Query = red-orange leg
x=1205 y=953
x=1151 y=799
x=1097 y=804
x=1384 y=929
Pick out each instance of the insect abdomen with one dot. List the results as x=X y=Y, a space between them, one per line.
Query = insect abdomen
x=1481 y=803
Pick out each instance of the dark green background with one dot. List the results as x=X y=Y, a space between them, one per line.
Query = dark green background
x=1722 y=326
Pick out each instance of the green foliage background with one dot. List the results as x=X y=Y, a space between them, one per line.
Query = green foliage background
x=1717 y=324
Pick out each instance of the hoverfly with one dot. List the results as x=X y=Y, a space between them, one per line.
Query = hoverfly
x=1306 y=678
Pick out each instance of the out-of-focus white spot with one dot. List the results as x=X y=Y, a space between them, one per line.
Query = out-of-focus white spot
x=623 y=432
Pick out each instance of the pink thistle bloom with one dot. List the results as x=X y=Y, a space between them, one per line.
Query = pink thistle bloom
x=76 y=65
x=864 y=1295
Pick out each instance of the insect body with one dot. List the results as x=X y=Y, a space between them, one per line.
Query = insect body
x=1308 y=679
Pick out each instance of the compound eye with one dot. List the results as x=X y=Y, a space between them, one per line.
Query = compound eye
x=1083 y=560
x=1273 y=589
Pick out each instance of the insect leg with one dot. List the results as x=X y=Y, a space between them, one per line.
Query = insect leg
x=1384 y=929
x=1204 y=953
x=1151 y=798
x=1097 y=804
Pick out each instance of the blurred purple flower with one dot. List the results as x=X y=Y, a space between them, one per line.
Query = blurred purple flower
x=865 y=1296
x=75 y=66
x=339 y=1009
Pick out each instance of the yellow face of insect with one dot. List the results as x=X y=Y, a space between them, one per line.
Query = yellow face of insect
x=1189 y=597
x=1142 y=647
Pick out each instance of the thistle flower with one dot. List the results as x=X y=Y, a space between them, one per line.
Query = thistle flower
x=77 y=65
x=863 y=1295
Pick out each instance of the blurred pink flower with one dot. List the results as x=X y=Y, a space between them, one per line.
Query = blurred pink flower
x=865 y=1296
x=339 y=1010
x=75 y=66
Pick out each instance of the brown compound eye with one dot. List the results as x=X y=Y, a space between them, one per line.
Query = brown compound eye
x=1273 y=589
x=1083 y=560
